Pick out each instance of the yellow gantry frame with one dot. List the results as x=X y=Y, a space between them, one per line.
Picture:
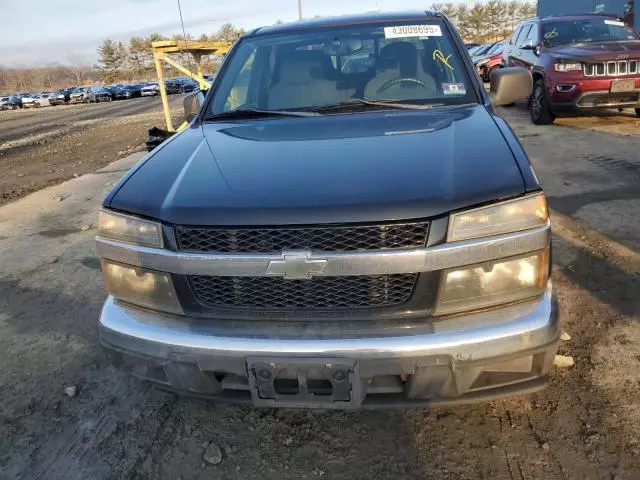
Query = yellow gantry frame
x=161 y=52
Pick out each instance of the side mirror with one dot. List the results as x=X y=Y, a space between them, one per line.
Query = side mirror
x=192 y=104
x=508 y=85
x=529 y=45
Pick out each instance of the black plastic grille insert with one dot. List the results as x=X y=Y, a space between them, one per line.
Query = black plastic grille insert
x=316 y=293
x=330 y=238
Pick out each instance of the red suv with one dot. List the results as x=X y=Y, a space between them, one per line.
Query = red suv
x=579 y=62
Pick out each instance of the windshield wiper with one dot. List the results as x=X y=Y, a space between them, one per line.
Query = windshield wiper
x=360 y=102
x=256 y=113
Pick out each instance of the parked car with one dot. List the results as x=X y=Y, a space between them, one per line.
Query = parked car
x=579 y=63
x=112 y=90
x=471 y=45
x=28 y=99
x=79 y=95
x=128 y=91
x=60 y=97
x=480 y=50
x=42 y=100
x=172 y=86
x=98 y=94
x=367 y=257
x=490 y=61
x=11 y=102
x=188 y=85
x=150 y=90
x=180 y=85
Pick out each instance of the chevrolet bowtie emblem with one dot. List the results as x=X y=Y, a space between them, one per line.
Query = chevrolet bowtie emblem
x=297 y=266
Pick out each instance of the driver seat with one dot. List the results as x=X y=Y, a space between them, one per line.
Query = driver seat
x=400 y=60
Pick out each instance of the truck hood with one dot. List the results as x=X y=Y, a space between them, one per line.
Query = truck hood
x=335 y=168
x=593 y=52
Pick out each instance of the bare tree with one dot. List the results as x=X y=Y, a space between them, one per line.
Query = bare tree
x=228 y=33
x=77 y=69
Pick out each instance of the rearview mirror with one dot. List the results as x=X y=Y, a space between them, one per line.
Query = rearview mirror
x=192 y=104
x=508 y=85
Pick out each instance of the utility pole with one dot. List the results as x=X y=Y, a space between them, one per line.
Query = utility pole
x=299 y=9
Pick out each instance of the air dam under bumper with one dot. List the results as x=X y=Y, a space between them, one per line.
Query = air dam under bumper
x=457 y=360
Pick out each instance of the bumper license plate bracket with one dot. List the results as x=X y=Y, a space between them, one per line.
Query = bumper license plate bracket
x=300 y=382
x=622 y=86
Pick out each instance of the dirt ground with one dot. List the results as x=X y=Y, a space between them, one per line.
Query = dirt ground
x=585 y=425
x=42 y=147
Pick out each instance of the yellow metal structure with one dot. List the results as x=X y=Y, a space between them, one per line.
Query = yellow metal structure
x=161 y=53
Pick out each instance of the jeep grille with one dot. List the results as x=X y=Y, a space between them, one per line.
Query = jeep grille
x=613 y=68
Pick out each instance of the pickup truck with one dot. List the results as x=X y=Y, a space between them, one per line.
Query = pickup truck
x=322 y=238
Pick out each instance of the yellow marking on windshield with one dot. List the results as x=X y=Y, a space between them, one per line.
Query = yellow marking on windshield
x=552 y=34
x=438 y=55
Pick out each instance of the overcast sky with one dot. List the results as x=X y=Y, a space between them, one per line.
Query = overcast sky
x=45 y=31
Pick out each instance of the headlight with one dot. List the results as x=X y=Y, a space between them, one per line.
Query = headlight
x=139 y=286
x=117 y=226
x=505 y=217
x=567 y=67
x=493 y=283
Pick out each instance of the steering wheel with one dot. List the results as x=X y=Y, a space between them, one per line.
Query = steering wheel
x=391 y=83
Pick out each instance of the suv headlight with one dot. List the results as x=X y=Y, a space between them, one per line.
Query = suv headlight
x=140 y=286
x=567 y=67
x=124 y=228
x=504 y=217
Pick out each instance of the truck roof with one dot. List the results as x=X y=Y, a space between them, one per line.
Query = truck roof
x=340 y=21
x=578 y=16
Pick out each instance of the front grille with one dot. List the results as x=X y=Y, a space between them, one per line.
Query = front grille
x=330 y=238
x=612 y=68
x=317 y=293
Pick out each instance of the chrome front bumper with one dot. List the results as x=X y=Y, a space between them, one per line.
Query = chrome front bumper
x=459 y=359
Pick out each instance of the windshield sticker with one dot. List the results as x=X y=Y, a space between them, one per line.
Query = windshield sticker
x=614 y=22
x=552 y=34
x=438 y=55
x=454 y=89
x=405 y=31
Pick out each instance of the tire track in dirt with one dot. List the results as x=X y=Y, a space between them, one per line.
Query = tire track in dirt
x=52 y=120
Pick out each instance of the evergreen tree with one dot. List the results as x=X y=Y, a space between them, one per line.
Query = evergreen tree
x=111 y=57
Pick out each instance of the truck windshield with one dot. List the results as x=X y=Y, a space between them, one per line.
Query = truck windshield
x=567 y=32
x=412 y=64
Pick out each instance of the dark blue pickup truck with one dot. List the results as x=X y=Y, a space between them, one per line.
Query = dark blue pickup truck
x=345 y=223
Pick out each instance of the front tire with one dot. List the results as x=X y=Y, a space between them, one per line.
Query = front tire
x=539 y=107
x=637 y=112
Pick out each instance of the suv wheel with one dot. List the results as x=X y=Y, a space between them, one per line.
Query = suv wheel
x=539 y=106
x=637 y=112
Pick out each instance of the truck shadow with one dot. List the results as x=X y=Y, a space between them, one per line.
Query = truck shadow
x=570 y=204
